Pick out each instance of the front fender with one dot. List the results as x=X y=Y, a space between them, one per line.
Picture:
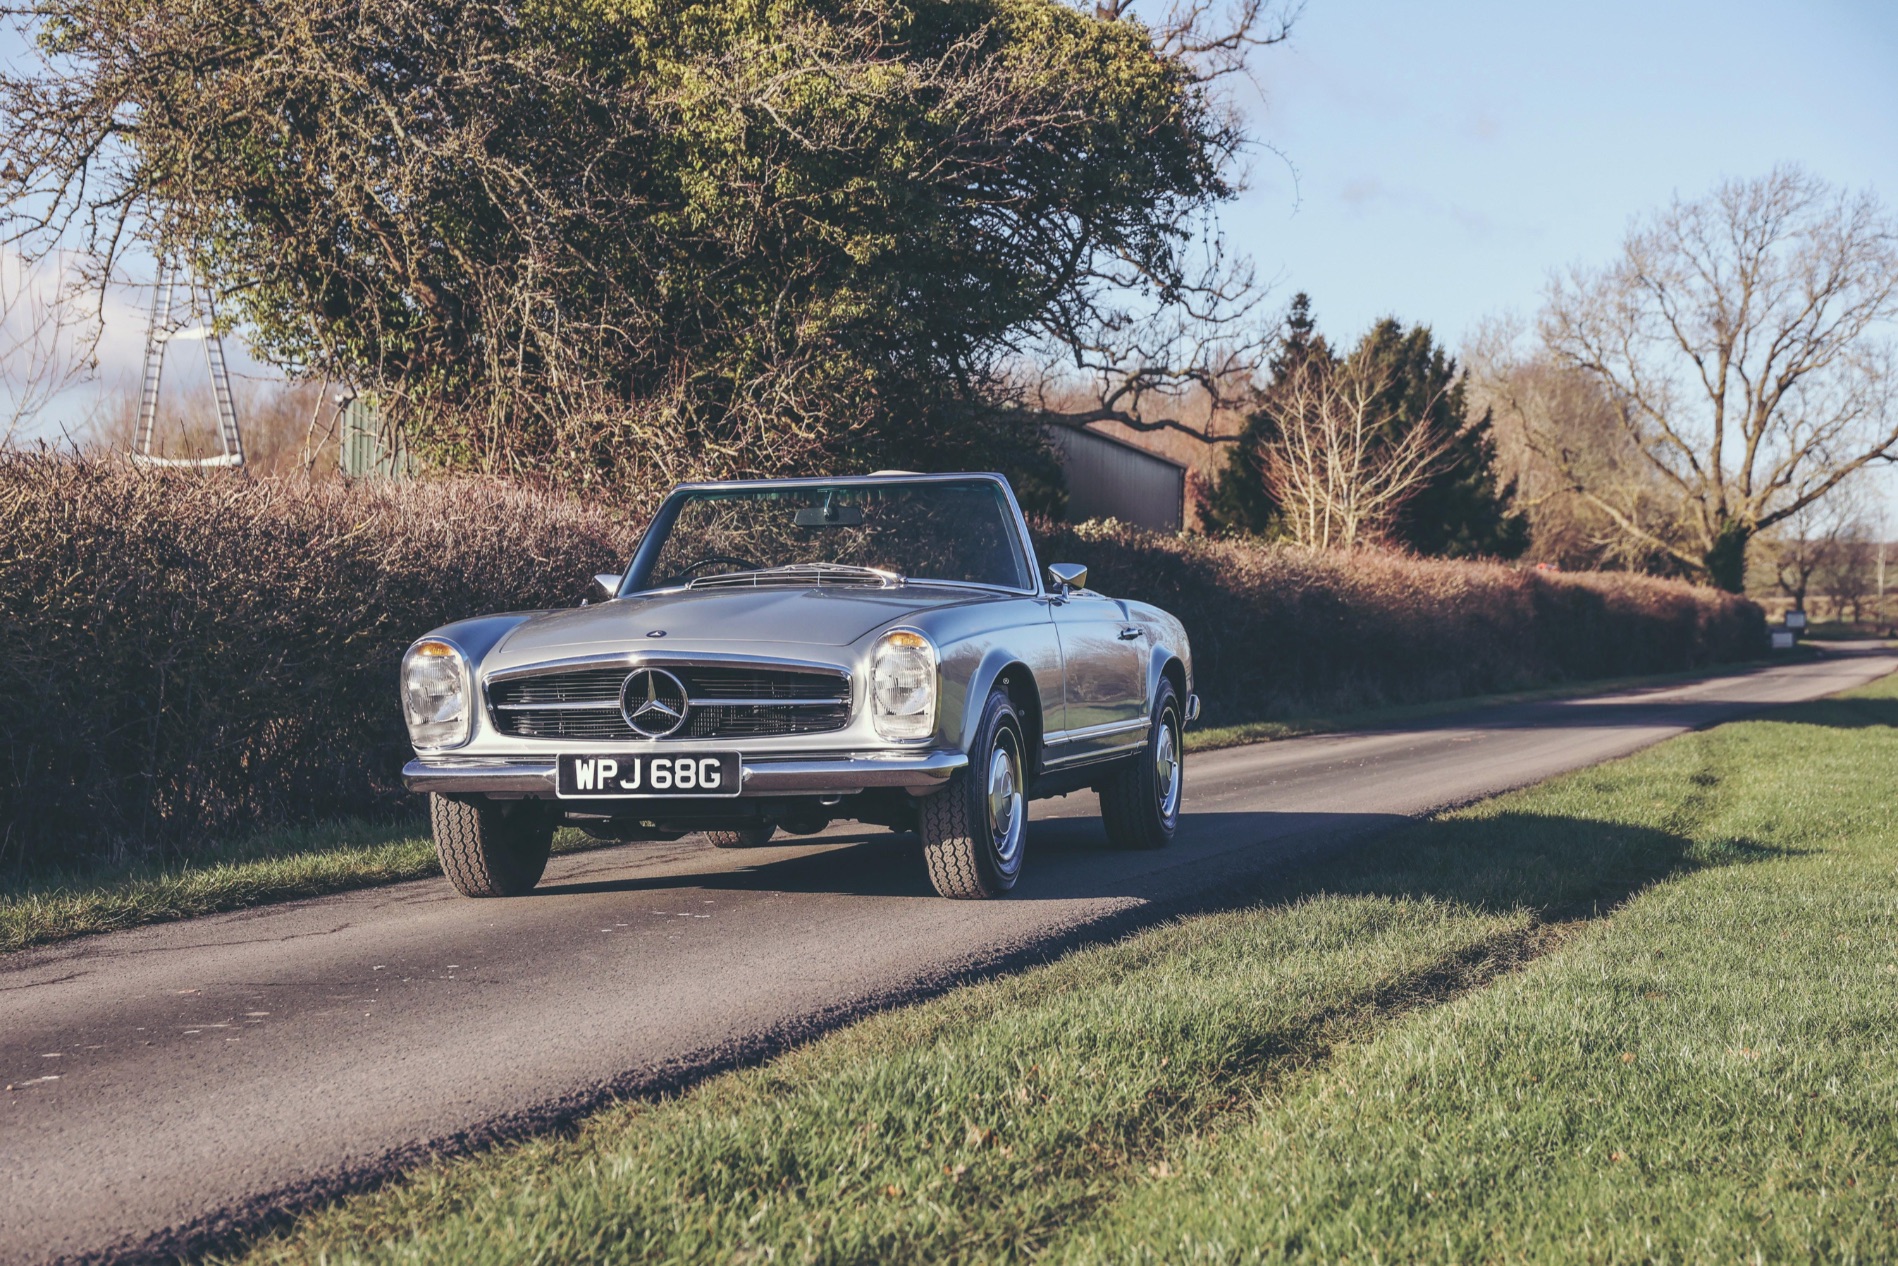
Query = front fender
x=1157 y=660
x=959 y=727
x=477 y=636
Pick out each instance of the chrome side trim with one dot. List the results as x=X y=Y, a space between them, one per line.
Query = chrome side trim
x=1089 y=757
x=1059 y=737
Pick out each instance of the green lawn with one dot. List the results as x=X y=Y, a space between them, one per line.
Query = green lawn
x=308 y=861
x=1644 y=1012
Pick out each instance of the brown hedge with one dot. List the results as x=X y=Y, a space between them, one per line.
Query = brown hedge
x=183 y=655
x=1281 y=632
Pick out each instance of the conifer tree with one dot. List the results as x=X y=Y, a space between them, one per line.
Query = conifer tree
x=1460 y=511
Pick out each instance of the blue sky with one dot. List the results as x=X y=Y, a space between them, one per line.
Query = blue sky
x=1437 y=161
x=1440 y=159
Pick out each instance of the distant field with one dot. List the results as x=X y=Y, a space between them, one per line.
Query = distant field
x=1642 y=1012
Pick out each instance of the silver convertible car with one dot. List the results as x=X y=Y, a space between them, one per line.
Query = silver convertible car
x=781 y=654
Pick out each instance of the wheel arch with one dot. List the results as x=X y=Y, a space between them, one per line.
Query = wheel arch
x=1167 y=666
x=1018 y=680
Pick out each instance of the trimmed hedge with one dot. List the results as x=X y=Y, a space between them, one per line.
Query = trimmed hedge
x=1282 y=632
x=185 y=655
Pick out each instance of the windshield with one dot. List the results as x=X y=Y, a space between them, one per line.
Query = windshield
x=952 y=530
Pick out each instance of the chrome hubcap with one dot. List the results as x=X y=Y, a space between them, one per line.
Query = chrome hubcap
x=1166 y=766
x=1005 y=800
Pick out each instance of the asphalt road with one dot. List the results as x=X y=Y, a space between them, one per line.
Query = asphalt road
x=164 y=1081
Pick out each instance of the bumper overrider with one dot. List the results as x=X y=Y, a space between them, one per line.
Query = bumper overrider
x=918 y=773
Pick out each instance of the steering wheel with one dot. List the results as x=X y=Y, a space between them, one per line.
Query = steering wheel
x=744 y=564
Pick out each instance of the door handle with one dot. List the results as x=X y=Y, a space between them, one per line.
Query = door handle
x=1129 y=633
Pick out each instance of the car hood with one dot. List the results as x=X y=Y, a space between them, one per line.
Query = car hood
x=813 y=616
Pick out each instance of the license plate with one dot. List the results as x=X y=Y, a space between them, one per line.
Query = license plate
x=623 y=776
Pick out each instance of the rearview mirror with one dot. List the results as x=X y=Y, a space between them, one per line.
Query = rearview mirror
x=1067 y=576
x=605 y=587
x=828 y=515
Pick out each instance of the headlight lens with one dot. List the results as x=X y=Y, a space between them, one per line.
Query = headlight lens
x=435 y=695
x=903 y=686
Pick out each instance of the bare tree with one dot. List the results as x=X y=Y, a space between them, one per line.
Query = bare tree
x=1557 y=426
x=1851 y=574
x=1177 y=350
x=1807 y=545
x=43 y=341
x=1343 y=464
x=1746 y=341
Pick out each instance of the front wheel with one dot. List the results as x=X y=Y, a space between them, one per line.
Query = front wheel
x=1140 y=804
x=491 y=848
x=974 y=828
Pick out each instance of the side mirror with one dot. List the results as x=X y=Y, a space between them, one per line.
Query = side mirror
x=605 y=587
x=1067 y=576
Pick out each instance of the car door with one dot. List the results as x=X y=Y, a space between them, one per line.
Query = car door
x=1104 y=687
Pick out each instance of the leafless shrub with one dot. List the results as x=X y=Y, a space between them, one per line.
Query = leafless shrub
x=288 y=427
x=1850 y=574
x=1558 y=430
x=1809 y=547
x=1346 y=460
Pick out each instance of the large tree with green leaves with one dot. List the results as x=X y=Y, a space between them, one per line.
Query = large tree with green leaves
x=620 y=238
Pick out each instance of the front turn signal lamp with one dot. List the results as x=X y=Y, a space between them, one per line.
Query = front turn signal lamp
x=435 y=695
x=903 y=686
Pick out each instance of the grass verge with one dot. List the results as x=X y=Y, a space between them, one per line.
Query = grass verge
x=310 y=861
x=1637 y=1012
x=280 y=865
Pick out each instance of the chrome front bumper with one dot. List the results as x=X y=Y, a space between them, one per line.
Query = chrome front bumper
x=918 y=773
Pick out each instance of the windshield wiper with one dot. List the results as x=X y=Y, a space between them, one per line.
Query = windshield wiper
x=800 y=574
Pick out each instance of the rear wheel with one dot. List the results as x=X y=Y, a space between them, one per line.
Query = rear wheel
x=491 y=848
x=742 y=836
x=974 y=828
x=1140 y=804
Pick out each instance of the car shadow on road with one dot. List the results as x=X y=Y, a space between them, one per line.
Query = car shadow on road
x=1067 y=858
x=1561 y=867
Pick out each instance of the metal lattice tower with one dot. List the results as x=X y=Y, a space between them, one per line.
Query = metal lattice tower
x=169 y=324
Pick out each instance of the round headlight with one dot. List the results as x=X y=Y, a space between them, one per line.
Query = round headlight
x=903 y=686
x=435 y=695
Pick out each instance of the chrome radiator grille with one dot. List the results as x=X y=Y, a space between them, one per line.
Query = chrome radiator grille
x=724 y=702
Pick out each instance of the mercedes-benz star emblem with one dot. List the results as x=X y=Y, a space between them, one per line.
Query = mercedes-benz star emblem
x=653 y=702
